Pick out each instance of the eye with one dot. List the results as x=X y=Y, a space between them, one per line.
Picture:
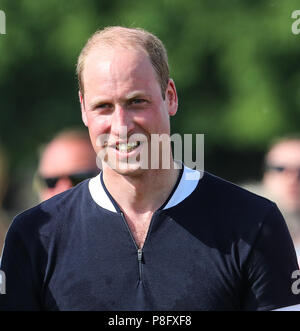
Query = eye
x=137 y=101
x=102 y=107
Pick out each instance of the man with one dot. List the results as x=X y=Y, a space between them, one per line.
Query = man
x=281 y=181
x=65 y=161
x=134 y=238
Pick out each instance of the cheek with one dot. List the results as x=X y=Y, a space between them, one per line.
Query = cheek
x=276 y=183
x=159 y=123
x=97 y=125
x=97 y=128
x=155 y=120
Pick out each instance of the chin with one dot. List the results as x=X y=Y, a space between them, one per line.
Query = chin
x=126 y=169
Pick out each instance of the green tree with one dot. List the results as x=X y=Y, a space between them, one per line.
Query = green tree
x=235 y=64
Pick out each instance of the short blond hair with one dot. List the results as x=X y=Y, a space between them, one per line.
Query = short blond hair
x=117 y=35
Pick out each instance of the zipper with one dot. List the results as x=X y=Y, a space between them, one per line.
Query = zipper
x=139 y=250
x=140 y=260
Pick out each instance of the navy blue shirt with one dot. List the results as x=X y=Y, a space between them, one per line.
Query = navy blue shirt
x=211 y=246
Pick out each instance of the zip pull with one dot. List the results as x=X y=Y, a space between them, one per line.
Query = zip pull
x=140 y=258
x=140 y=255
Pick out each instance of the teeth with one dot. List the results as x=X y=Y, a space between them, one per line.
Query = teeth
x=127 y=147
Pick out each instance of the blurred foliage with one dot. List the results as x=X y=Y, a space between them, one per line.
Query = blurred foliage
x=235 y=64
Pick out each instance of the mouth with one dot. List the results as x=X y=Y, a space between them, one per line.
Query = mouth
x=127 y=147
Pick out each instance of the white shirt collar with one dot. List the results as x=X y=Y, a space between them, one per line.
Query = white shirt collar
x=188 y=183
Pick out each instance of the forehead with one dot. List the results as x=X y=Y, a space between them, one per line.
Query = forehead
x=66 y=156
x=287 y=152
x=117 y=67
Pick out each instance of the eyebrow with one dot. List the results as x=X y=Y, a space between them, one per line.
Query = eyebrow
x=129 y=96
x=135 y=94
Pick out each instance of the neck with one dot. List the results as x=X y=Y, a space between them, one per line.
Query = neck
x=142 y=193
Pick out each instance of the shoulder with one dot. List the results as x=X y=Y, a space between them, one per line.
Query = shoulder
x=46 y=218
x=230 y=212
x=231 y=197
x=217 y=200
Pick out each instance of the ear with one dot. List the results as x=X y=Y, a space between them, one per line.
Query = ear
x=171 y=98
x=83 y=111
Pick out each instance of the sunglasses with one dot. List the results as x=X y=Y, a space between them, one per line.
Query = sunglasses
x=76 y=178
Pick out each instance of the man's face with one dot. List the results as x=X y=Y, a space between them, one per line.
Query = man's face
x=282 y=180
x=65 y=159
x=123 y=102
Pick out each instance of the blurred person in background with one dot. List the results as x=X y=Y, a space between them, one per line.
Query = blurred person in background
x=3 y=185
x=66 y=160
x=281 y=182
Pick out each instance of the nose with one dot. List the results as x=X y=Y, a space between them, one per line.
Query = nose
x=122 y=122
x=63 y=184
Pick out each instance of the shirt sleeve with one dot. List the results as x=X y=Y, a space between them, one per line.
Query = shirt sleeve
x=20 y=278
x=271 y=265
